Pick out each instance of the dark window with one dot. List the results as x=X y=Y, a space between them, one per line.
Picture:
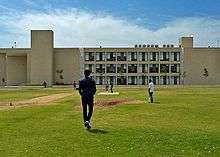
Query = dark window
x=132 y=68
x=164 y=68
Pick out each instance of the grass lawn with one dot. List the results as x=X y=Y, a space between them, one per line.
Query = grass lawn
x=183 y=121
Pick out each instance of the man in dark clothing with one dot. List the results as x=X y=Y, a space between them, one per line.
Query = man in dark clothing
x=74 y=84
x=111 y=86
x=45 y=84
x=87 y=90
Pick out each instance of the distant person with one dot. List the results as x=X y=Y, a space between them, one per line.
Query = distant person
x=87 y=90
x=45 y=84
x=74 y=85
x=106 y=86
x=151 y=90
x=3 y=81
x=111 y=86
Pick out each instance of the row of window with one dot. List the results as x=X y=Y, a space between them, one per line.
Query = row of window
x=134 y=80
x=133 y=68
x=132 y=56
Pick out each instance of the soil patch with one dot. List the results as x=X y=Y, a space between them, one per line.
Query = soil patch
x=35 y=101
x=109 y=103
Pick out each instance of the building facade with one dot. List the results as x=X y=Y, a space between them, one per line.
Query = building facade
x=166 y=65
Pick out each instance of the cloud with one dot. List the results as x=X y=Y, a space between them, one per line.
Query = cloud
x=29 y=2
x=75 y=28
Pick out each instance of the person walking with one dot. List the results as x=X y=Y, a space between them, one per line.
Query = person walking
x=111 y=86
x=74 y=85
x=151 y=90
x=87 y=90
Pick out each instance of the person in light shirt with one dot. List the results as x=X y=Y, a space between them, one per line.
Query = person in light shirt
x=151 y=90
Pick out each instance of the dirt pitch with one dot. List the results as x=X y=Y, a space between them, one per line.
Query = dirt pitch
x=35 y=101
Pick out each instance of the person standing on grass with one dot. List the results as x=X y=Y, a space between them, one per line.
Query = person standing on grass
x=151 y=90
x=74 y=85
x=111 y=86
x=87 y=90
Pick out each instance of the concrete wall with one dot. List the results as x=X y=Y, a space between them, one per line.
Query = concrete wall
x=186 y=42
x=68 y=61
x=41 y=59
x=2 y=68
x=196 y=60
x=16 y=70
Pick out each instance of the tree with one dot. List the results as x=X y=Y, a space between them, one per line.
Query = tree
x=60 y=76
x=206 y=73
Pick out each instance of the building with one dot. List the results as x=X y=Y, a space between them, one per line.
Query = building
x=166 y=65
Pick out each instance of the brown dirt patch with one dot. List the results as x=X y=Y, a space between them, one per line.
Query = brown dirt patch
x=35 y=101
x=109 y=103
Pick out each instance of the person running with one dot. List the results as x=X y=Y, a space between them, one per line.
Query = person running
x=151 y=90
x=87 y=90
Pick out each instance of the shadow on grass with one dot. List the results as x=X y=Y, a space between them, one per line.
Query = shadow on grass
x=156 y=102
x=97 y=131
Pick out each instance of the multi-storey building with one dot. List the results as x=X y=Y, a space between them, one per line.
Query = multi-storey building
x=134 y=66
x=165 y=65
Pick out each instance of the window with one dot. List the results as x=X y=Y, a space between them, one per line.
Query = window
x=174 y=80
x=164 y=56
x=121 y=56
x=100 y=56
x=143 y=80
x=121 y=68
x=89 y=56
x=132 y=56
x=89 y=67
x=154 y=68
x=164 y=68
x=121 y=80
x=100 y=80
x=111 y=56
x=132 y=80
x=100 y=68
x=164 y=80
x=143 y=56
x=175 y=56
x=111 y=68
x=153 y=56
x=143 y=68
x=175 y=68
x=132 y=68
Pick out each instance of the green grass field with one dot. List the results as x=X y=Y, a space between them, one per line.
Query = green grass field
x=183 y=121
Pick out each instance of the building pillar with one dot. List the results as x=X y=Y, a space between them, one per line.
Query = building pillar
x=41 y=57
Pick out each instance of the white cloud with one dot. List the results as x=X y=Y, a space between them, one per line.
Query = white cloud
x=74 y=28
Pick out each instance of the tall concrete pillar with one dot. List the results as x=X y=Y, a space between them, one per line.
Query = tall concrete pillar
x=3 y=68
x=41 y=57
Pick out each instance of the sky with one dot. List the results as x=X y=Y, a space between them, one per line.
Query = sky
x=83 y=23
